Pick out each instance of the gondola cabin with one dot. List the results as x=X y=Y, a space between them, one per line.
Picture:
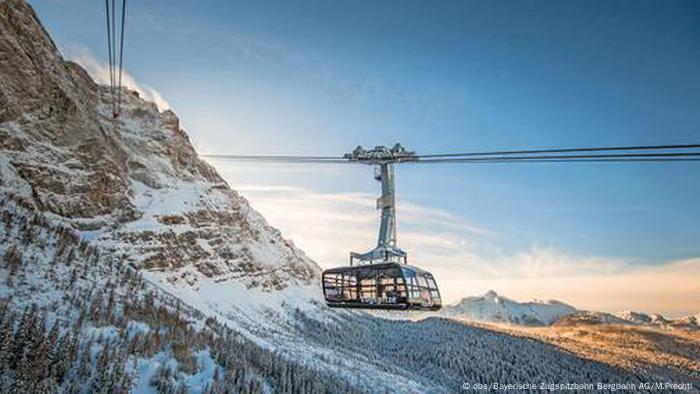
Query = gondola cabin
x=381 y=286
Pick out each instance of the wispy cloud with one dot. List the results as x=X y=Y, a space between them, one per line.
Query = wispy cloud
x=99 y=71
x=465 y=257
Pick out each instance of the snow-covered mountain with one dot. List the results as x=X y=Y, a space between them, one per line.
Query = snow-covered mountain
x=628 y=318
x=137 y=188
x=494 y=308
x=638 y=318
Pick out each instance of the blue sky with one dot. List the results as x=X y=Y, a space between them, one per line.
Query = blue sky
x=320 y=77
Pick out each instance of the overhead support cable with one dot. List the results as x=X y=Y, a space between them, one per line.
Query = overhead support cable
x=560 y=157
x=564 y=150
x=109 y=50
x=582 y=160
x=281 y=159
x=274 y=157
x=115 y=55
x=121 y=60
x=656 y=153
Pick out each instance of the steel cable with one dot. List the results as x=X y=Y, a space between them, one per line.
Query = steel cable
x=115 y=62
x=656 y=153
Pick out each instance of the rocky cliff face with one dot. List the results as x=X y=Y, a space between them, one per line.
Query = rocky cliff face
x=136 y=188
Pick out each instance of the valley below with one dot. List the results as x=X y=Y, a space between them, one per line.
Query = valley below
x=666 y=354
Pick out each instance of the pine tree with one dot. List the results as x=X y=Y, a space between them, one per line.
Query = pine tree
x=110 y=303
x=22 y=336
x=47 y=386
x=96 y=308
x=36 y=361
x=13 y=260
x=84 y=364
x=6 y=342
x=101 y=376
x=125 y=384
x=52 y=348
x=20 y=384
x=24 y=381
x=52 y=337
x=61 y=358
x=73 y=277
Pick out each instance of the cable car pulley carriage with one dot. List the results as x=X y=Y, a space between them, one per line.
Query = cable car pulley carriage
x=382 y=278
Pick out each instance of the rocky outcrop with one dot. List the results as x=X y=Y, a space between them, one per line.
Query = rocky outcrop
x=35 y=80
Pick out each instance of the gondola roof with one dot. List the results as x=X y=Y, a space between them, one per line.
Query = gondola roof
x=338 y=270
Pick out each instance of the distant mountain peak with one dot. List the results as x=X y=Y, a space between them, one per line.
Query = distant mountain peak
x=629 y=318
x=491 y=295
x=492 y=307
x=657 y=318
x=635 y=317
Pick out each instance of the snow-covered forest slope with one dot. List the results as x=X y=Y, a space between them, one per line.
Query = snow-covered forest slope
x=128 y=264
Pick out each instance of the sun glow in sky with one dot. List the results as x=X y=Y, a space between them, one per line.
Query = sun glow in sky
x=320 y=77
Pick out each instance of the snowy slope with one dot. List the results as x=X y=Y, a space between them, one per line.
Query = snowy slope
x=494 y=308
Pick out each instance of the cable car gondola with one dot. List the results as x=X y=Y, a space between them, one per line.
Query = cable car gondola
x=381 y=286
x=382 y=279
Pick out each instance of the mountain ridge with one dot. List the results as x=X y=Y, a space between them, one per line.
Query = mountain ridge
x=494 y=308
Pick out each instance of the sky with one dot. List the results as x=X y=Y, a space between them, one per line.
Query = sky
x=321 y=77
